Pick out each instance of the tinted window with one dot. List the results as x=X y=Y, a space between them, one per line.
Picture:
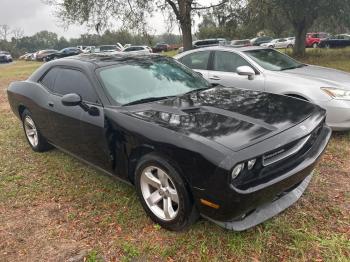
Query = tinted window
x=228 y=62
x=74 y=81
x=198 y=60
x=49 y=78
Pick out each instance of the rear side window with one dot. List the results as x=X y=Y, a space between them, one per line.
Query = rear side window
x=73 y=81
x=228 y=61
x=198 y=60
x=49 y=79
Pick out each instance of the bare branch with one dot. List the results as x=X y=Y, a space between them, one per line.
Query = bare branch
x=210 y=6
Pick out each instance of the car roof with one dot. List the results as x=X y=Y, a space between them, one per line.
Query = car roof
x=106 y=59
x=90 y=62
x=225 y=48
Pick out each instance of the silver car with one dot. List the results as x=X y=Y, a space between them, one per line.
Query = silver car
x=278 y=43
x=140 y=49
x=268 y=70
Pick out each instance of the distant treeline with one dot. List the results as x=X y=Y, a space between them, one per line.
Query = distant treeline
x=49 y=40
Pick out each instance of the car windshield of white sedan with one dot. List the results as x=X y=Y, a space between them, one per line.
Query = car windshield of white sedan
x=149 y=79
x=273 y=60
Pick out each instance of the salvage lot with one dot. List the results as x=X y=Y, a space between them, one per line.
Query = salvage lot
x=52 y=207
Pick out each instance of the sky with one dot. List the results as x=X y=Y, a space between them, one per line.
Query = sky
x=34 y=16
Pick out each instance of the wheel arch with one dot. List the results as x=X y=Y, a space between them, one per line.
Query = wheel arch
x=142 y=150
x=298 y=96
x=21 y=109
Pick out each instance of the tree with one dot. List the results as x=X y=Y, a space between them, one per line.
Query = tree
x=302 y=14
x=4 y=31
x=132 y=14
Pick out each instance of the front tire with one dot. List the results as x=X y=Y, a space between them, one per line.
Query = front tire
x=163 y=193
x=36 y=141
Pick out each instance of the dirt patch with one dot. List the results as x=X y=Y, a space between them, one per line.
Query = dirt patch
x=37 y=232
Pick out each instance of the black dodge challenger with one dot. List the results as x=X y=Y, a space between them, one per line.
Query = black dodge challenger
x=236 y=157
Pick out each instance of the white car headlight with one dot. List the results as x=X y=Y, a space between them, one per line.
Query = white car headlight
x=337 y=93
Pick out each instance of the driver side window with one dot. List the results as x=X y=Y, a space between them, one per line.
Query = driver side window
x=228 y=61
x=73 y=81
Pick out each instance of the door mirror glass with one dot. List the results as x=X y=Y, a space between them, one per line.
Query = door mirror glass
x=246 y=71
x=71 y=99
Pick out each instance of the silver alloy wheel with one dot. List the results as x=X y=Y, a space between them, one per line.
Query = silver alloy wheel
x=31 y=131
x=159 y=193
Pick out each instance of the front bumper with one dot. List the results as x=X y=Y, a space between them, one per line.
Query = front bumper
x=267 y=211
x=243 y=209
x=338 y=113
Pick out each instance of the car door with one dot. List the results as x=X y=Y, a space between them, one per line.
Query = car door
x=76 y=130
x=224 y=66
x=198 y=61
x=281 y=43
x=47 y=81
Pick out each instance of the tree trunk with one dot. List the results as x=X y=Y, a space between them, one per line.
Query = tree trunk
x=300 y=35
x=186 y=34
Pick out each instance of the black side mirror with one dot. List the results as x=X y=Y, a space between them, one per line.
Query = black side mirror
x=71 y=99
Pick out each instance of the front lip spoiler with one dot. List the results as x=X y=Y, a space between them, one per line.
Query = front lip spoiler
x=266 y=211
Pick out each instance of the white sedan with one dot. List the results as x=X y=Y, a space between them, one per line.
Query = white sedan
x=279 y=43
x=141 y=49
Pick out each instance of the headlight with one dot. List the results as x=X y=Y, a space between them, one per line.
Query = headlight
x=337 y=93
x=237 y=170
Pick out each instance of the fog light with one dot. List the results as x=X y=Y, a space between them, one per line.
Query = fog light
x=237 y=170
x=251 y=163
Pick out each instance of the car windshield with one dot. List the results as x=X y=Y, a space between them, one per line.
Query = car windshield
x=273 y=60
x=140 y=79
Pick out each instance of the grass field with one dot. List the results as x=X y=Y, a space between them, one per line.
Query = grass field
x=54 y=208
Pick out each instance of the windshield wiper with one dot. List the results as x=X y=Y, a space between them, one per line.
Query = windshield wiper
x=198 y=89
x=146 y=100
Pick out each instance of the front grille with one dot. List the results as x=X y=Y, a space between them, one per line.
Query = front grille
x=284 y=152
x=278 y=161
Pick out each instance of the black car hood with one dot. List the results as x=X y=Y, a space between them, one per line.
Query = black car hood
x=234 y=118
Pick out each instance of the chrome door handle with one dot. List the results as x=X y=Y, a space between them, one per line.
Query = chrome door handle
x=214 y=78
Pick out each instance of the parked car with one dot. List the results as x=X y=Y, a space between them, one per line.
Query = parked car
x=240 y=43
x=262 y=69
x=43 y=54
x=313 y=39
x=141 y=49
x=257 y=41
x=65 y=52
x=160 y=47
x=208 y=42
x=109 y=48
x=32 y=57
x=278 y=43
x=342 y=40
x=24 y=56
x=86 y=48
x=188 y=148
x=5 y=57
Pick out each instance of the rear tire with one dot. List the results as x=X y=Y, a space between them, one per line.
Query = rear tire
x=314 y=45
x=163 y=193
x=290 y=46
x=36 y=141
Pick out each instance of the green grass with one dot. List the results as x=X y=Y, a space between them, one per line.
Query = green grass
x=70 y=206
